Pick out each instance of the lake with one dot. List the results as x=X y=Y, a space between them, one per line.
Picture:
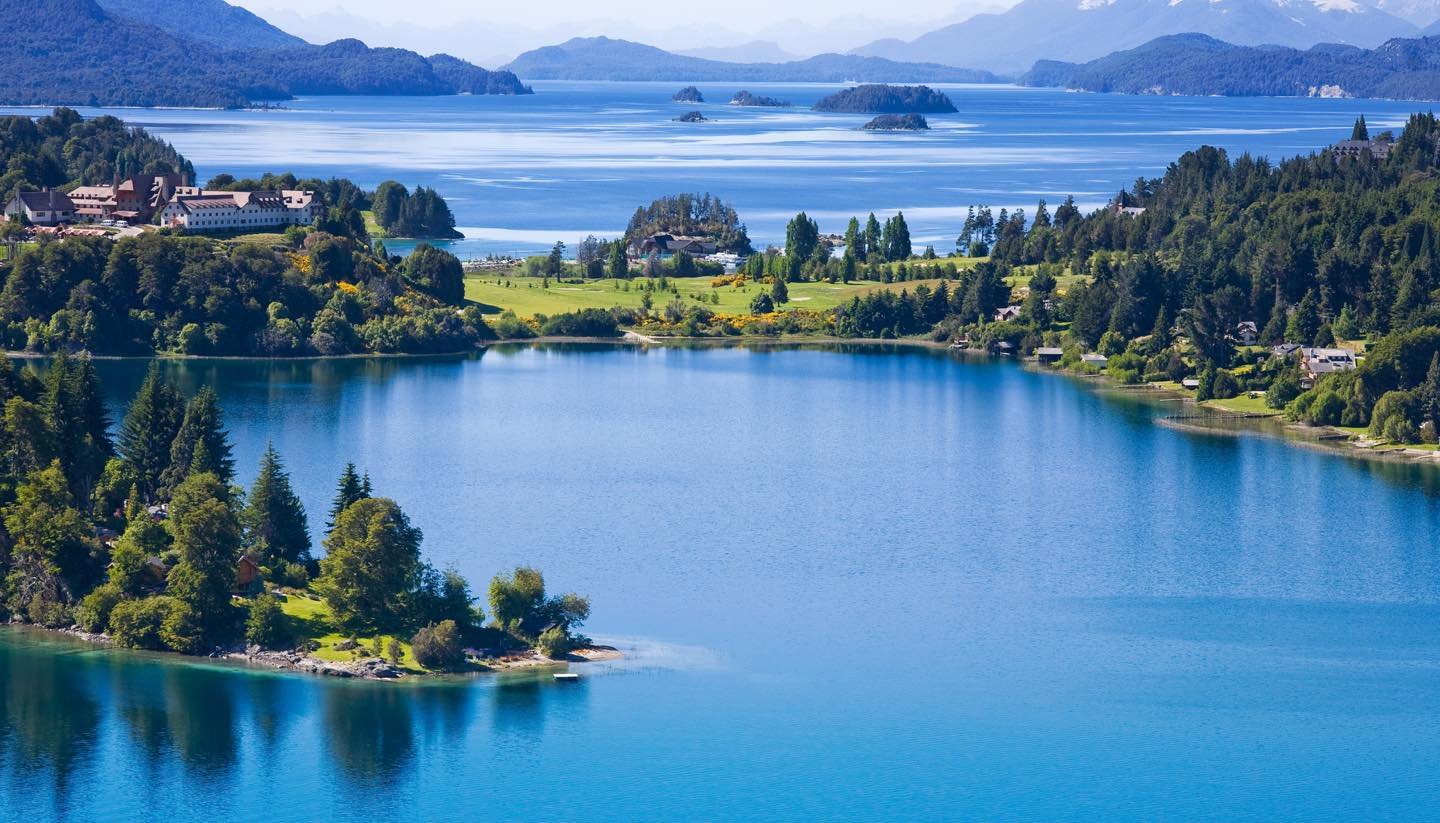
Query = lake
x=850 y=583
x=576 y=158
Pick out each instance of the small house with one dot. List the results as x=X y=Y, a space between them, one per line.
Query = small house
x=1049 y=354
x=1003 y=347
x=1191 y=383
x=1246 y=333
x=1315 y=362
x=1007 y=313
x=1284 y=349
x=247 y=575
x=41 y=208
x=1099 y=361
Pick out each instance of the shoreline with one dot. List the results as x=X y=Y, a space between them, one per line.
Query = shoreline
x=291 y=661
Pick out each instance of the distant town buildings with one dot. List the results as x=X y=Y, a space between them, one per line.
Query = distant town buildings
x=140 y=198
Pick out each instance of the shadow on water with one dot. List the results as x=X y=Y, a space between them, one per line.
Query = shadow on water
x=51 y=723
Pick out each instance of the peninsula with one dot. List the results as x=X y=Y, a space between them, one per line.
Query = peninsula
x=144 y=541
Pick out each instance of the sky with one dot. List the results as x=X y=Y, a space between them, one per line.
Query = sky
x=495 y=32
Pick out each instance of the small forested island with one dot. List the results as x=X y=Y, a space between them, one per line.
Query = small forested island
x=745 y=98
x=655 y=229
x=692 y=117
x=689 y=94
x=880 y=98
x=146 y=542
x=897 y=122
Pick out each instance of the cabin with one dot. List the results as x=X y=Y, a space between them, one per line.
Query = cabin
x=1284 y=349
x=1007 y=313
x=41 y=208
x=1049 y=354
x=668 y=245
x=1099 y=361
x=1246 y=333
x=1004 y=348
x=247 y=575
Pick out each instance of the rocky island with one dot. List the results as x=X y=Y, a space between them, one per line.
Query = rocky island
x=898 y=122
x=692 y=117
x=689 y=94
x=745 y=98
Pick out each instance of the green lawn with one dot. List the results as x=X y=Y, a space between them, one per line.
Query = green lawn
x=526 y=296
x=311 y=620
x=263 y=238
x=1243 y=404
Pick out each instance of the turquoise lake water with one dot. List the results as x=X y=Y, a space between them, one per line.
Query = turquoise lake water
x=575 y=158
x=851 y=584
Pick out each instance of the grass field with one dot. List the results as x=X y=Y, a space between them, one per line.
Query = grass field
x=1243 y=404
x=311 y=620
x=526 y=296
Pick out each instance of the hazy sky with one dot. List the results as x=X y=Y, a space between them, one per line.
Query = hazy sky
x=493 y=33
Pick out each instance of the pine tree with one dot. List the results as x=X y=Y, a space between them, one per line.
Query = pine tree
x=149 y=430
x=872 y=236
x=274 y=517
x=1361 y=131
x=1160 y=333
x=207 y=536
x=1430 y=394
x=350 y=489
x=854 y=240
x=201 y=444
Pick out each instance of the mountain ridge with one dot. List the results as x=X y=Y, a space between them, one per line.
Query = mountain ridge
x=605 y=58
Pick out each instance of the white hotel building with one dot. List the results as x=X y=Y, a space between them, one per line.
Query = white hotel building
x=192 y=209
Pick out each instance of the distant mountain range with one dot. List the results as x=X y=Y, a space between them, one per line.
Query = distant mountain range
x=756 y=51
x=603 y=58
x=1194 y=64
x=1080 y=30
x=209 y=21
x=67 y=53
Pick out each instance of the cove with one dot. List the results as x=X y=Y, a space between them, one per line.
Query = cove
x=851 y=583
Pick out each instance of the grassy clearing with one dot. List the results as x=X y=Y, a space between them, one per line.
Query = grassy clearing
x=526 y=296
x=1243 y=404
x=263 y=238
x=311 y=620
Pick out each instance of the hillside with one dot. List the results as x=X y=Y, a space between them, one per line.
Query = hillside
x=603 y=58
x=1081 y=30
x=1194 y=64
x=209 y=21
x=67 y=49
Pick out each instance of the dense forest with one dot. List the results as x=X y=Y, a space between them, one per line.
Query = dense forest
x=698 y=215
x=745 y=98
x=62 y=150
x=879 y=98
x=421 y=213
x=1194 y=64
x=67 y=49
x=897 y=122
x=148 y=538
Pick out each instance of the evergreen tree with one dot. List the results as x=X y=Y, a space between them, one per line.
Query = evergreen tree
x=149 y=430
x=371 y=565
x=352 y=487
x=208 y=538
x=802 y=235
x=872 y=236
x=274 y=517
x=619 y=263
x=53 y=560
x=1305 y=321
x=1430 y=394
x=1360 y=131
x=854 y=240
x=779 y=292
x=201 y=444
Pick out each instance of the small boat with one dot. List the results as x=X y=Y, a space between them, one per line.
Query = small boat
x=567 y=677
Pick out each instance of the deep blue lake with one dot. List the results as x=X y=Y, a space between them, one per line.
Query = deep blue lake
x=850 y=584
x=575 y=158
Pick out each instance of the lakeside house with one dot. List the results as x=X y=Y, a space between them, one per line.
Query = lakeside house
x=135 y=199
x=41 y=208
x=1099 y=361
x=1049 y=354
x=1007 y=313
x=1284 y=349
x=1317 y=362
x=194 y=209
x=1379 y=149
x=668 y=245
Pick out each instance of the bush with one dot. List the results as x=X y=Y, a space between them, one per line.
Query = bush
x=437 y=646
x=93 y=613
x=510 y=327
x=554 y=642
x=266 y=626
x=180 y=630
x=1225 y=386
x=136 y=623
x=583 y=323
x=1396 y=417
